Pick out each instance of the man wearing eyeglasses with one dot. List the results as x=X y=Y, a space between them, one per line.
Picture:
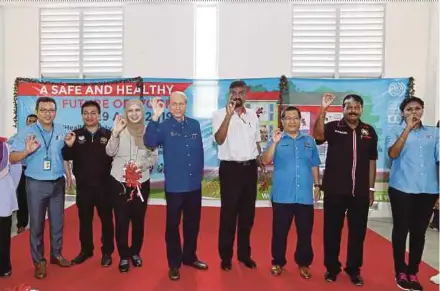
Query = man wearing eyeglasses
x=40 y=146
x=237 y=132
x=85 y=147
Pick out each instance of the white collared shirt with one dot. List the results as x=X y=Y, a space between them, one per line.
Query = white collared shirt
x=242 y=137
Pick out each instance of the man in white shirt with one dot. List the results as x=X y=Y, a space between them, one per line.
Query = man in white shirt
x=237 y=132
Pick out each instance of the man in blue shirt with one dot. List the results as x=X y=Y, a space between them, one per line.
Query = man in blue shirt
x=296 y=172
x=181 y=139
x=39 y=145
x=22 y=212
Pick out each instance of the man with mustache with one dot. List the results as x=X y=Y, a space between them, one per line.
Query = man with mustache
x=348 y=183
x=237 y=132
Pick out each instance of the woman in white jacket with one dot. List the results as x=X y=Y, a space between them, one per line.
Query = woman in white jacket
x=130 y=201
x=9 y=177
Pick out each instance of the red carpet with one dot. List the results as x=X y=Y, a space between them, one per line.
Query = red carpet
x=377 y=270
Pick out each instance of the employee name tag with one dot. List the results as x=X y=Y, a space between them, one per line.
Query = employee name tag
x=46 y=165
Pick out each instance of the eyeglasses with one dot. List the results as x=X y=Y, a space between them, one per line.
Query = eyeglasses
x=46 y=111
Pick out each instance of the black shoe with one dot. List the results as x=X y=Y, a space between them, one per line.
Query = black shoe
x=199 y=265
x=356 y=279
x=124 y=266
x=174 y=274
x=106 y=260
x=249 y=263
x=226 y=266
x=414 y=283
x=6 y=274
x=331 y=276
x=136 y=260
x=403 y=282
x=81 y=258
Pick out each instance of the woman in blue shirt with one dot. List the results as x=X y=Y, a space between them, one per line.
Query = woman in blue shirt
x=413 y=188
x=9 y=177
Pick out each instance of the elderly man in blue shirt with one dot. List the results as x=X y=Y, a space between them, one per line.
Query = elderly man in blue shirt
x=183 y=155
x=295 y=186
x=39 y=145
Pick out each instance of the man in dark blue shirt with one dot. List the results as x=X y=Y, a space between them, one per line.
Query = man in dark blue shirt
x=181 y=139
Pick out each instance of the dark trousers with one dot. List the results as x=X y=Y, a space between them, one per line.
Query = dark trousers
x=127 y=211
x=238 y=190
x=336 y=206
x=189 y=204
x=5 y=244
x=22 y=212
x=45 y=196
x=89 y=197
x=283 y=214
x=411 y=214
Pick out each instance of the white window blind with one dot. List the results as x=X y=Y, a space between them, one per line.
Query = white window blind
x=81 y=42
x=338 y=40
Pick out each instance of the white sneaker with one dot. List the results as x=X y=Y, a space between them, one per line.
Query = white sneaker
x=436 y=279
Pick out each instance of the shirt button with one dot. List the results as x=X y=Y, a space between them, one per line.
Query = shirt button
x=190 y=174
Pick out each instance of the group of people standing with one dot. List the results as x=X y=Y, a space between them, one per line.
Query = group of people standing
x=112 y=172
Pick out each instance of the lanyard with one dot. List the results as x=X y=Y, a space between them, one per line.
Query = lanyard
x=46 y=144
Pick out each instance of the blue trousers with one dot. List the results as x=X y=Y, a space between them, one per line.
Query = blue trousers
x=45 y=196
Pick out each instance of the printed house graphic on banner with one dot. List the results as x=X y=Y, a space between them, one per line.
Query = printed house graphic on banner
x=265 y=104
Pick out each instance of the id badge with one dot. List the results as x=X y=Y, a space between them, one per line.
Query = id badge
x=46 y=165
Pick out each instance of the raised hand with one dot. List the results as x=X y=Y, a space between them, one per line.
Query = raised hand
x=327 y=100
x=119 y=125
x=412 y=121
x=158 y=108
x=70 y=138
x=276 y=135
x=32 y=144
x=230 y=107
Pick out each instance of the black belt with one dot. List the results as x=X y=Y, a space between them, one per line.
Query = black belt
x=242 y=163
x=47 y=181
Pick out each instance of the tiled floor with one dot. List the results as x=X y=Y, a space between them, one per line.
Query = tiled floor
x=381 y=226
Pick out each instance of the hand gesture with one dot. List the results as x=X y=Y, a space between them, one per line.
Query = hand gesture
x=70 y=139
x=31 y=144
x=317 y=193
x=371 y=198
x=69 y=182
x=276 y=135
x=327 y=100
x=230 y=107
x=158 y=107
x=119 y=125
x=412 y=121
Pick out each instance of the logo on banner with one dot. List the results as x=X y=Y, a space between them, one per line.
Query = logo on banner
x=397 y=89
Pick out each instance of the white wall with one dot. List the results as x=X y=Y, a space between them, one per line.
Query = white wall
x=254 y=41
x=20 y=55
x=159 y=40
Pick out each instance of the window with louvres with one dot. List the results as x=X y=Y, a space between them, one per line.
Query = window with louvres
x=338 y=40
x=81 y=42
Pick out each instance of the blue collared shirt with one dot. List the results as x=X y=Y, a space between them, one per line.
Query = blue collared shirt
x=182 y=152
x=35 y=161
x=292 y=180
x=414 y=171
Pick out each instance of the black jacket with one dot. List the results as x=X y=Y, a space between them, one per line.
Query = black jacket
x=91 y=164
